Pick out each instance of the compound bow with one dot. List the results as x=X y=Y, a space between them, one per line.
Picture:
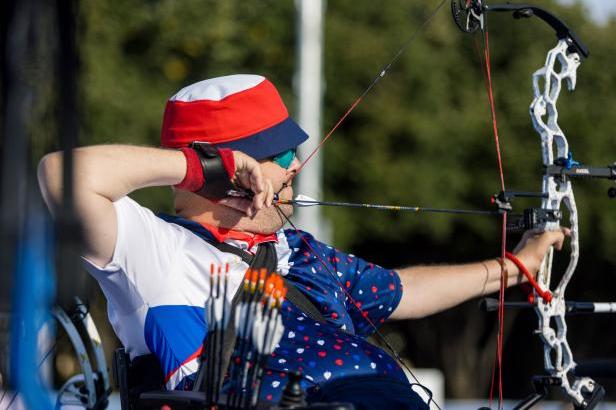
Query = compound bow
x=550 y=306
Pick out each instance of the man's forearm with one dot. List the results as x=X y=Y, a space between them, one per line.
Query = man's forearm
x=431 y=289
x=113 y=171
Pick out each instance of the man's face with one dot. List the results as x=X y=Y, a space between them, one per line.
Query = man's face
x=229 y=212
x=269 y=218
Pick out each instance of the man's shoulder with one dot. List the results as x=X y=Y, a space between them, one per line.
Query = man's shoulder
x=297 y=234
x=304 y=242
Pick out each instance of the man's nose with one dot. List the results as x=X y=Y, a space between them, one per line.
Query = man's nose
x=294 y=167
x=291 y=171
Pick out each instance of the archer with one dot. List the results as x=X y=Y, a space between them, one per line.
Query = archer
x=221 y=136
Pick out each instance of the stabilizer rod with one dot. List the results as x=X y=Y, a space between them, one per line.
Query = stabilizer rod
x=581 y=171
x=572 y=307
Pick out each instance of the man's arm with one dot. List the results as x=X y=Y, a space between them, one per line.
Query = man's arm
x=103 y=174
x=106 y=173
x=431 y=289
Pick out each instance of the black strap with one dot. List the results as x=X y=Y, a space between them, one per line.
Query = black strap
x=297 y=298
x=225 y=247
x=217 y=183
x=270 y=262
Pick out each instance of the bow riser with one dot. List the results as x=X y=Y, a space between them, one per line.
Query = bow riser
x=560 y=66
x=559 y=194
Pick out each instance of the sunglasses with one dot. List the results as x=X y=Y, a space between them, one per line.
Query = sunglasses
x=285 y=158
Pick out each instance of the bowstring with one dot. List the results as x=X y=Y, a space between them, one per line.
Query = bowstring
x=498 y=365
x=487 y=72
x=382 y=73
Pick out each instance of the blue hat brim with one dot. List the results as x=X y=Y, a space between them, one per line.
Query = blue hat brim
x=270 y=142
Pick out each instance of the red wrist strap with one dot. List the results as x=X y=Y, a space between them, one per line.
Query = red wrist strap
x=193 y=180
x=226 y=155
x=545 y=294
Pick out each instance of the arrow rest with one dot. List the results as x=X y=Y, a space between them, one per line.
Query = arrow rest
x=508 y=196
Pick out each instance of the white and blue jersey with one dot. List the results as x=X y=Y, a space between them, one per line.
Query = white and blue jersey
x=158 y=280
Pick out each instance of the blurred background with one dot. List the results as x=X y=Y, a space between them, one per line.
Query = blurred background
x=421 y=137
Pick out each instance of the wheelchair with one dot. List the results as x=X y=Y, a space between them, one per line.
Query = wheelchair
x=141 y=385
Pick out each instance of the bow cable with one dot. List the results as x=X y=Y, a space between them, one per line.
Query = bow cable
x=503 y=250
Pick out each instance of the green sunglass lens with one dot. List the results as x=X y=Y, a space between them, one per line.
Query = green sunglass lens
x=284 y=159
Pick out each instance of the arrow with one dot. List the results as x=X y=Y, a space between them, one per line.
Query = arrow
x=305 y=201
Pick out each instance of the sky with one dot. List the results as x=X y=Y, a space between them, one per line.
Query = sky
x=600 y=10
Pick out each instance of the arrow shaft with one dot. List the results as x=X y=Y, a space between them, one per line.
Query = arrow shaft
x=415 y=209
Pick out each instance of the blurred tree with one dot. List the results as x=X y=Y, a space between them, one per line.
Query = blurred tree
x=421 y=137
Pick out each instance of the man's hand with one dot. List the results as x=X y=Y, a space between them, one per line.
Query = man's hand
x=249 y=175
x=533 y=246
x=434 y=288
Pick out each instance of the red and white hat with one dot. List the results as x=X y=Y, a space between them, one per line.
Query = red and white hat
x=242 y=112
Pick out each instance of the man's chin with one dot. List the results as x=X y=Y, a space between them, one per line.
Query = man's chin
x=265 y=221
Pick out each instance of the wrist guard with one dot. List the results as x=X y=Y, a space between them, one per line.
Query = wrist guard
x=217 y=169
